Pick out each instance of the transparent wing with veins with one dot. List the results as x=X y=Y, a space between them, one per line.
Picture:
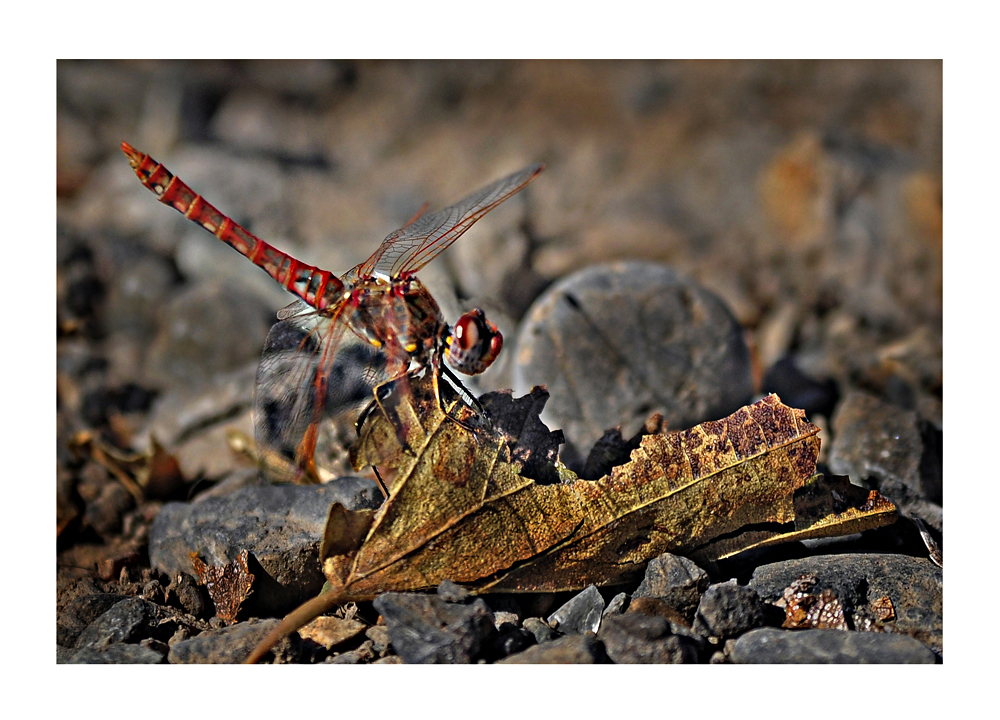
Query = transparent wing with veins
x=425 y=237
x=314 y=376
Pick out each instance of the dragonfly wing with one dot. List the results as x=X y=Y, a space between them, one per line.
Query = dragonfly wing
x=422 y=239
x=314 y=376
x=298 y=307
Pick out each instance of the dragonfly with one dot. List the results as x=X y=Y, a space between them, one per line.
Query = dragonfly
x=346 y=337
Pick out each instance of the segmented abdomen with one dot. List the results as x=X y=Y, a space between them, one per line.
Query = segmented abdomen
x=319 y=288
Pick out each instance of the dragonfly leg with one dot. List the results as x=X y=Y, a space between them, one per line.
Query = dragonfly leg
x=467 y=397
x=386 y=401
x=305 y=456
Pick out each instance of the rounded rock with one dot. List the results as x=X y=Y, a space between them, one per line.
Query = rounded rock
x=616 y=343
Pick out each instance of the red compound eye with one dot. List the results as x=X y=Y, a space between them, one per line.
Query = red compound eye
x=467 y=332
x=475 y=343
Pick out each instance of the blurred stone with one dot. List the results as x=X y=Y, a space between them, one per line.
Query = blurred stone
x=105 y=512
x=542 y=631
x=769 y=645
x=207 y=330
x=118 y=654
x=798 y=390
x=616 y=343
x=572 y=649
x=879 y=444
x=126 y=621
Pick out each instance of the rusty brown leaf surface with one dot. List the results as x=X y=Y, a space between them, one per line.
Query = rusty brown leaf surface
x=462 y=506
x=228 y=585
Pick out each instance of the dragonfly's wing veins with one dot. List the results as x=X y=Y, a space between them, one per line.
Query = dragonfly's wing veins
x=297 y=307
x=314 y=376
x=413 y=246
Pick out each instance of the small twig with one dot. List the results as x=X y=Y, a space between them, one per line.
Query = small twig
x=297 y=618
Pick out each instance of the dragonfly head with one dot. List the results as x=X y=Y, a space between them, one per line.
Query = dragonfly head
x=473 y=344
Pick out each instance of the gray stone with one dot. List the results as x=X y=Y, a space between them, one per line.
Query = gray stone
x=104 y=513
x=727 y=610
x=364 y=653
x=616 y=606
x=453 y=593
x=126 y=621
x=569 y=650
x=880 y=445
x=232 y=645
x=426 y=629
x=581 y=614
x=616 y=343
x=512 y=640
x=280 y=525
x=379 y=635
x=677 y=581
x=79 y=612
x=183 y=592
x=118 y=654
x=770 y=645
x=914 y=585
x=542 y=631
x=643 y=639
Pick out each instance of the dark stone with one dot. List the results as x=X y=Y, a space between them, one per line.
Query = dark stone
x=581 y=614
x=569 y=650
x=675 y=580
x=727 y=610
x=183 y=592
x=105 y=512
x=686 y=354
x=233 y=645
x=452 y=593
x=880 y=445
x=280 y=525
x=638 y=638
x=798 y=390
x=914 y=586
x=426 y=629
x=364 y=653
x=127 y=621
x=80 y=612
x=118 y=654
x=153 y=592
x=511 y=640
x=770 y=645
x=616 y=605
x=542 y=631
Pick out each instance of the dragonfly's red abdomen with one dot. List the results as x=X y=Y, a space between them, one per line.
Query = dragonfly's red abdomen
x=319 y=288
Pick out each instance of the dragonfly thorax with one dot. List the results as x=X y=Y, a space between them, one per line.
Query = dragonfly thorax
x=399 y=316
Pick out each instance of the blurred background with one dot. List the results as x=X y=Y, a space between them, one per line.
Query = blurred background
x=806 y=194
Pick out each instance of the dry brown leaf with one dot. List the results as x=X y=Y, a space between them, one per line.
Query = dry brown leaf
x=460 y=509
x=228 y=585
x=151 y=474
